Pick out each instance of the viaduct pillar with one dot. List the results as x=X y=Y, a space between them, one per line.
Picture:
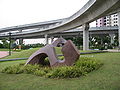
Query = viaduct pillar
x=85 y=28
x=112 y=38
x=46 y=39
x=52 y=38
x=119 y=28
x=20 y=41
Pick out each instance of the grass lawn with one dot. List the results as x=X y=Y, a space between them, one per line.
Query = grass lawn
x=27 y=53
x=2 y=49
x=105 y=78
x=21 y=54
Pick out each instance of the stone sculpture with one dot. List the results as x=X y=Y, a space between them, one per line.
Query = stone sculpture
x=70 y=53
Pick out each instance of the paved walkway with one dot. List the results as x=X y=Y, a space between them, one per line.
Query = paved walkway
x=3 y=54
x=112 y=50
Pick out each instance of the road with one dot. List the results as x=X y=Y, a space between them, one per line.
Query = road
x=3 y=54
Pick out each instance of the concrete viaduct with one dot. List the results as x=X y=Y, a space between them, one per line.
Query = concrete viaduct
x=92 y=10
x=111 y=31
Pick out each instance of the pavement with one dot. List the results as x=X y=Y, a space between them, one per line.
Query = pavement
x=112 y=50
x=3 y=54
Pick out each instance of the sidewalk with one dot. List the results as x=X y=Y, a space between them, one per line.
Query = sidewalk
x=112 y=50
x=3 y=54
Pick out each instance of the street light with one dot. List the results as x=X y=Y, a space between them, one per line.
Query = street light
x=9 y=43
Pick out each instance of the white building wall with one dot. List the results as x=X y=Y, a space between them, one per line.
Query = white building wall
x=111 y=20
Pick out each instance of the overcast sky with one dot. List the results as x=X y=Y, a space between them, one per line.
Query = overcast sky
x=18 y=12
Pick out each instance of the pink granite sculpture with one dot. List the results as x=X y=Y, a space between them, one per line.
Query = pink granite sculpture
x=70 y=53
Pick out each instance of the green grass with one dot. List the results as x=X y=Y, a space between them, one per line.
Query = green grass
x=27 y=53
x=2 y=49
x=22 y=54
x=58 y=50
x=82 y=67
x=106 y=78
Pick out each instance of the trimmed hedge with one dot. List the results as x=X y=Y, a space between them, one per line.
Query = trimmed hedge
x=83 y=66
x=66 y=72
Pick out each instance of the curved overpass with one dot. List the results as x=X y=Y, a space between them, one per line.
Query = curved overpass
x=69 y=33
x=91 y=11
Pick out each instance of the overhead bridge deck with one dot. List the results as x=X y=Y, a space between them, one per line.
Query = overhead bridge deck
x=91 y=11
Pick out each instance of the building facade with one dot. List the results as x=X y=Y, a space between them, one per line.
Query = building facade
x=110 y=20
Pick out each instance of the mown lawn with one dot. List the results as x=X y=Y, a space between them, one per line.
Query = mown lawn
x=21 y=54
x=2 y=49
x=27 y=53
x=105 y=78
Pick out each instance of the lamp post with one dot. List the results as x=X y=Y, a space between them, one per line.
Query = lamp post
x=10 y=43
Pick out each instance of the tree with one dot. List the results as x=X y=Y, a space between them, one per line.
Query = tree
x=5 y=43
x=78 y=41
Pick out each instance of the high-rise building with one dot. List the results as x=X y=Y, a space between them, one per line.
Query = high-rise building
x=110 y=20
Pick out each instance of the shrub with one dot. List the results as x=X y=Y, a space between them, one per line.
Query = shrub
x=16 y=69
x=30 y=68
x=61 y=57
x=83 y=66
x=1 y=45
x=46 y=62
x=39 y=72
x=42 y=71
x=66 y=72
x=32 y=46
x=89 y=64
x=22 y=64
x=47 y=69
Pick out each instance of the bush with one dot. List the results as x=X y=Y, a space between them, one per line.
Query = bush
x=22 y=64
x=83 y=66
x=61 y=57
x=66 y=72
x=42 y=71
x=32 y=46
x=39 y=73
x=16 y=69
x=101 y=48
x=46 y=62
x=89 y=64
x=30 y=68
x=1 y=45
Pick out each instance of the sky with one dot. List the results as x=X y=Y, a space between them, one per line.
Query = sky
x=19 y=12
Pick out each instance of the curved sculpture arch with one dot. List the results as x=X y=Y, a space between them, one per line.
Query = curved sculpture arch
x=70 y=53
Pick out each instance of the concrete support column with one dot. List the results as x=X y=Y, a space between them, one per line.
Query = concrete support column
x=52 y=38
x=61 y=37
x=46 y=39
x=85 y=36
x=10 y=43
x=20 y=41
x=119 y=29
x=112 y=38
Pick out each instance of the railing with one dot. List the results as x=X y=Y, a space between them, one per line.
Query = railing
x=82 y=53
